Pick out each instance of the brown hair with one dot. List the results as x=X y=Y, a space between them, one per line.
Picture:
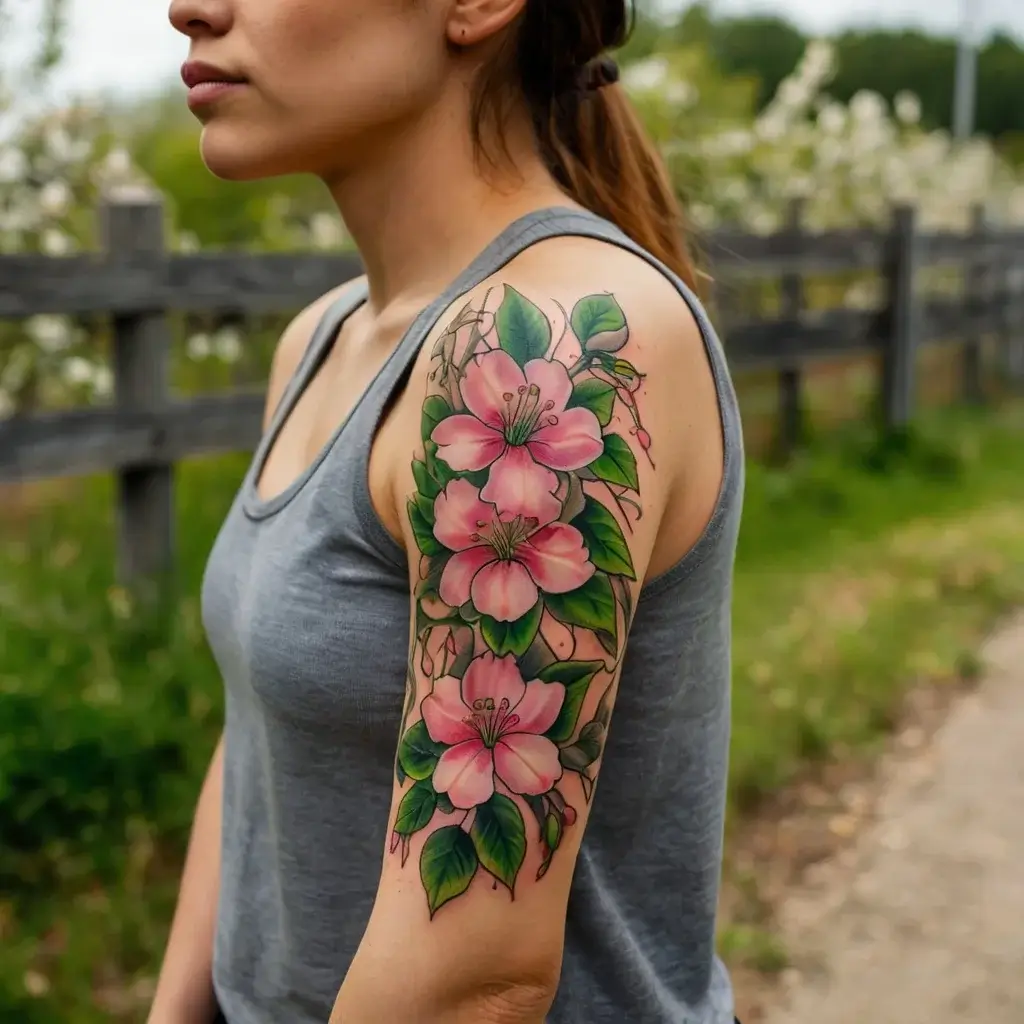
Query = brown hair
x=589 y=134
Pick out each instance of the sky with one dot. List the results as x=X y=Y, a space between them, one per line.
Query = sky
x=128 y=46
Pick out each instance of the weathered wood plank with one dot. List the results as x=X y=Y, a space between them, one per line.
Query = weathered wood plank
x=945 y=247
x=245 y=283
x=791 y=252
x=946 y=319
x=790 y=429
x=783 y=342
x=132 y=232
x=102 y=439
x=98 y=440
x=265 y=283
x=271 y=282
x=903 y=333
x=976 y=282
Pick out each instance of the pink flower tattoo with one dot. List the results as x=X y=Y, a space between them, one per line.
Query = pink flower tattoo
x=502 y=561
x=493 y=723
x=518 y=424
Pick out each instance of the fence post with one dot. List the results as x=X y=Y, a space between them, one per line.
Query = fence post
x=900 y=345
x=132 y=233
x=976 y=283
x=1013 y=341
x=790 y=380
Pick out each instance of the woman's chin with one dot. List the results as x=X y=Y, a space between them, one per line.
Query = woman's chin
x=234 y=154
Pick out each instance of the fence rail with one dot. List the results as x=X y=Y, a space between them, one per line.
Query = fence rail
x=260 y=283
x=137 y=282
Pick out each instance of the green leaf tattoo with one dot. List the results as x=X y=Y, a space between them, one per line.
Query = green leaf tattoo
x=586 y=750
x=499 y=835
x=505 y=558
x=416 y=809
x=576 y=677
x=447 y=865
x=617 y=464
x=604 y=539
x=422 y=529
x=512 y=637
x=523 y=330
x=418 y=753
x=435 y=409
x=427 y=484
x=595 y=395
x=600 y=324
x=591 y=606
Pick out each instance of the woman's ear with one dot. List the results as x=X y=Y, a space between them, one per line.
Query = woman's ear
x=475 y=21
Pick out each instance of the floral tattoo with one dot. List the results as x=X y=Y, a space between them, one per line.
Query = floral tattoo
x=522 y=497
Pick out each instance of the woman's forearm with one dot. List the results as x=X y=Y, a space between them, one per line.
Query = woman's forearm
x=185 y=989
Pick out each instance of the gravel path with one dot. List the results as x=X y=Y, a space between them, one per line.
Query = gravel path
x=924 y=924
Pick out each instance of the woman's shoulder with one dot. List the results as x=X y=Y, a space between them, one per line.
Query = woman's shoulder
x=612 y=315
x=661 y=316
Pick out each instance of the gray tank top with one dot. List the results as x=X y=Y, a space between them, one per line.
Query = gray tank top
x=306 y=604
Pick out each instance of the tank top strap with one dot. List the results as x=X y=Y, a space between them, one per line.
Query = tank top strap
x=323 y=337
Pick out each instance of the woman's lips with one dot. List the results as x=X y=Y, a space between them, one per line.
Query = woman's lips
x=207 y=83
x=206 y=92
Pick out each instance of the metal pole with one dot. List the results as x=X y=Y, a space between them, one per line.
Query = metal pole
x=966 y=85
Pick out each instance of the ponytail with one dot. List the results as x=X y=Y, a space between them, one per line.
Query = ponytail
x=588 y=131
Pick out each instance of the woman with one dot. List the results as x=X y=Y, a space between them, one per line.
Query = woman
x=474 y=459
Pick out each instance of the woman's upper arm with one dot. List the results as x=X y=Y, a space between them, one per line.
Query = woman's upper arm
x=533 y=503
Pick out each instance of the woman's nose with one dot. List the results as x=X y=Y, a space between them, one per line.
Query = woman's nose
x=199 y=18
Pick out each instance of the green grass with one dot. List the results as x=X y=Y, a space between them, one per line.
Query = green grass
x=863 y=568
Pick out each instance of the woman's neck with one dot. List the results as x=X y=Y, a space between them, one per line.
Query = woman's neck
x=424 y=208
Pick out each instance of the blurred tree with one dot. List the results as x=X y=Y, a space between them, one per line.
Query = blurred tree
x=52 y=27
x=881 y=60
x=765 y=46
x=1001 y=87
x=888 y=62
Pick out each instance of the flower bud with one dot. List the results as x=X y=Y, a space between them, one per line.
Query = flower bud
x=552 y=831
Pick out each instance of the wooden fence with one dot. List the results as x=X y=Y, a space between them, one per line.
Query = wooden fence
x=137 y=282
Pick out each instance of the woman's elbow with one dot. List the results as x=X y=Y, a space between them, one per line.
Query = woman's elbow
x=522 y=1001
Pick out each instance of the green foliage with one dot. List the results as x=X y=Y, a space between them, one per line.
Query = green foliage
x=717 y=102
